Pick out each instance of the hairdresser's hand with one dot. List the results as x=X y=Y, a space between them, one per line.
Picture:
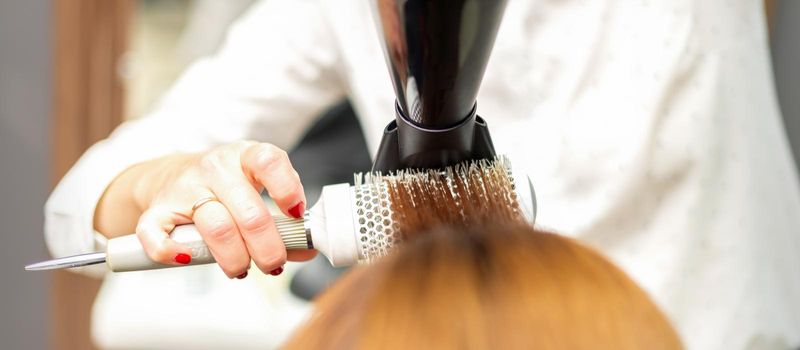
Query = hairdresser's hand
x=157 y=195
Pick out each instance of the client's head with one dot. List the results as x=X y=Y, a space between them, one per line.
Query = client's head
x=487 y=287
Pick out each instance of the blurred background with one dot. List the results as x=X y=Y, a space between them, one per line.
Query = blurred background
x=71 y=70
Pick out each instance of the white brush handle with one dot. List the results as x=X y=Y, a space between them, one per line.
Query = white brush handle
x=126 y=253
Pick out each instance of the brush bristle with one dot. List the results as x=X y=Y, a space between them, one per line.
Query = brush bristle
x=458 y=196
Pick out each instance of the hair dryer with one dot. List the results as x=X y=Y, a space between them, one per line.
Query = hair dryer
x=437 y=52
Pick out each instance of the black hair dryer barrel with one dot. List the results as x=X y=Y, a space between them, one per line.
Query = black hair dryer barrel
x=437 y=52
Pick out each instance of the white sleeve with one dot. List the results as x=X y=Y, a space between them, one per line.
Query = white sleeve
x=275 y=73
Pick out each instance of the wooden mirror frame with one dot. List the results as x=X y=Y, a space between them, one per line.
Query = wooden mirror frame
x=89 y=38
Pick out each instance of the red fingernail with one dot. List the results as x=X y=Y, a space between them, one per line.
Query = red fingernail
x=183 y=258
x=277 y=271
x=243 y=275
x=297 y=210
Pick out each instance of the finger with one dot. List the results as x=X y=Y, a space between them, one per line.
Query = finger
x=252 y=218
x=220 y=233
x=301 y=254
x=270 y=166
x=153 y=231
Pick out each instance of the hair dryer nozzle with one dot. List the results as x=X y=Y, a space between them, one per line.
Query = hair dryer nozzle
x=407 y=145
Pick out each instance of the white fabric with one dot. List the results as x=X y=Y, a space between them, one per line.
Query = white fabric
x=650 y=130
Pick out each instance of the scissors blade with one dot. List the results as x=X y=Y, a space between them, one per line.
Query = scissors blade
x=68 y=262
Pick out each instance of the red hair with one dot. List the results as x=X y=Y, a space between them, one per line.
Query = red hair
x=487 y=287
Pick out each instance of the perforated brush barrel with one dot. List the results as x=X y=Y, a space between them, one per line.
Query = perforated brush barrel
x=386 y=209
x=376 y=229
x=437 y=51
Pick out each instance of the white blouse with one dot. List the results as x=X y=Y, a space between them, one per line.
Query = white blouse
x=650 y=130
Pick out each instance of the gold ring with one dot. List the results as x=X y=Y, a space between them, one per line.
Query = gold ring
x=200 y=202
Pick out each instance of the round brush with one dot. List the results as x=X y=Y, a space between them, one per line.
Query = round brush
x=351 y=224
